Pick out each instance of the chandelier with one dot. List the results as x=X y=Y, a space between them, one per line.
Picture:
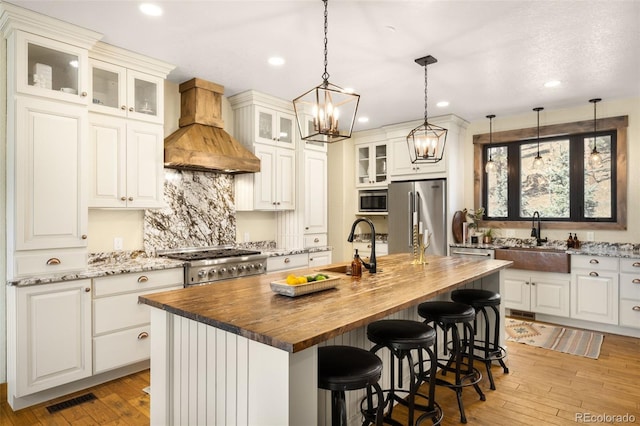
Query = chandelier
x=426 y=142
x=327 y=112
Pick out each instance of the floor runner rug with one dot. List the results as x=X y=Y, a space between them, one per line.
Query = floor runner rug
x=561 y=339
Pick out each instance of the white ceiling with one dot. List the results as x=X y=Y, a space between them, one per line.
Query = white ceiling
x=493 y=56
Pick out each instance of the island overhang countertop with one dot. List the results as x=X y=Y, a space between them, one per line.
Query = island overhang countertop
x=249 y=308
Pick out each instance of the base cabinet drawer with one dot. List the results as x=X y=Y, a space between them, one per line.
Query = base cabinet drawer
x=50 y=262
x=119 y=349
x=137 y=281
x=315 y=240
x=282 y=263
x=630 y=313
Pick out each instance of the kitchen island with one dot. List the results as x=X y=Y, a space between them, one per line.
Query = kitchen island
x=234 y=352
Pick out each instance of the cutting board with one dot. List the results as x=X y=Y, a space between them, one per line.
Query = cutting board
x=456 y=225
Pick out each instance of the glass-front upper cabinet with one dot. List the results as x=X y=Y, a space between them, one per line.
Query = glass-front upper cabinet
x=124 y=92
x=371 y=164
x=49 y=68
x=275 y=127
x=315 y=145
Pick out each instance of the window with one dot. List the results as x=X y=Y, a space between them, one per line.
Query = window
x=567 y=191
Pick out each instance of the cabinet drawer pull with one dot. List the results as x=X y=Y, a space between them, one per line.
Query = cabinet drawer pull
x=594 y=274
x=287 y=260
x=636 y=264
x=636 y=308
x=143 y=279
x=594 y=261
x=636 y=281
x=143 y=335
x=53 y=261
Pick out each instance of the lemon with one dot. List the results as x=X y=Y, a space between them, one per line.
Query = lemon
x=302 y=280
x=292 y=279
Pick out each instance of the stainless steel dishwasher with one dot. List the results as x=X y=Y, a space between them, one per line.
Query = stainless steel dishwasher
x=472 y=252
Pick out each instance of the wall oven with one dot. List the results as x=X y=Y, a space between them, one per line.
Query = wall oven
x=372 y=201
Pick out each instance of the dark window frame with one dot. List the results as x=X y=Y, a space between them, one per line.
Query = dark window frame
x=617 y=126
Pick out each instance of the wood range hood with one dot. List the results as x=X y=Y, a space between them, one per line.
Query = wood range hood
x=201 y=142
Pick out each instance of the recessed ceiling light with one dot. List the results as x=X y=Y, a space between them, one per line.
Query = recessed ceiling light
x=276 y=61
x=442 y=104
x=553 y=83
x=150 y=9
x=363 y=119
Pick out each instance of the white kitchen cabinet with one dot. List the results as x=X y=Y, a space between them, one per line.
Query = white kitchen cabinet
x=630 y=293
x=50 y=329
x=540 y=292
x=274 y=186
x=116 y=90
x=126 y=163
x=364 y=249
x=319 y=258
x=121 y=330
x=371 y=164
x=47 y=182
x=315 y=192
x=275 y=127
x=48 y=68
x=594 y=288
x=312 y=145
x=401 y=166
x=287 y=262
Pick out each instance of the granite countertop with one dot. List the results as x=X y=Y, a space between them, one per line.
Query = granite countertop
x=104 y=266
x=293 y=324
x=273 y=252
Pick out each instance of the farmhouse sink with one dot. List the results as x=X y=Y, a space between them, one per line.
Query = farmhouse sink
x=542 y=259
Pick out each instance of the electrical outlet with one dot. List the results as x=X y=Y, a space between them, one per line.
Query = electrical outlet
x=589 y=236
x=117 y=243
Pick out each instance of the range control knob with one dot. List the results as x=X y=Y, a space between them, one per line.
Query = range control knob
x=242 y=268
x=259 y=266
x=232 y=269
x=251 y=266
x=212 y=272
x=202 y=273
x=222 y=271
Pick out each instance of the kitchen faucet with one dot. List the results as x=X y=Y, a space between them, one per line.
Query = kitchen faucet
x=371 y=266
x=536 y=232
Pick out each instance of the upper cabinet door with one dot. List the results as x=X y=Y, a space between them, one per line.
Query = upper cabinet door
x=108 y=85
x=49 y=68
x=145 y=94
x=371 y=165
x=275 y=127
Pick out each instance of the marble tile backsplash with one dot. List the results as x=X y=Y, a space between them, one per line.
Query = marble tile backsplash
x=200 y=212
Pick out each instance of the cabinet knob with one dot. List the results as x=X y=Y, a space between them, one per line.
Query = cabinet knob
x=123 y=107
x=278 y=203
x=123 y=198
x=594 y=261
x=143 y=279
x=143 y=335
x=53 y=261
x=87 y=289
x=84 y=236
x=593 y=274
x=532 y=283
x=636 y=308
x=636 y=281
x=287 y=260
x=84 y=94
x=131 y=109
x=636 y=264
x=526 y=282
x=316 y=240
x=130 y=198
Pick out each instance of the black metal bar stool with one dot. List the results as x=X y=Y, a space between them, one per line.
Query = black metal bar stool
x=401 y=337
x=448 y=316
x=343 y=368
x=489 y=349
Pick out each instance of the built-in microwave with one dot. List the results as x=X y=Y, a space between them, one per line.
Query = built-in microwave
x=372 y=200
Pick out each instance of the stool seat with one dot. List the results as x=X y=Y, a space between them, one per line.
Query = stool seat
x=446 y=312
x=476 y=297
x=401 y=334
x=347 y=368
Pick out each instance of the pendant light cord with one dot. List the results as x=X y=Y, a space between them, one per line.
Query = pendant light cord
x=538 y=109
x=425 y=95
x=325 y=75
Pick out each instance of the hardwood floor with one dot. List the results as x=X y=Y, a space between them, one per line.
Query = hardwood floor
x=543 y=387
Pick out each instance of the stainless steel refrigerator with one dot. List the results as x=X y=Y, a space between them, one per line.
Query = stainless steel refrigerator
x=424 y=201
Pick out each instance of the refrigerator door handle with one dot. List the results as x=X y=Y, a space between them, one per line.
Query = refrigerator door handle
x=410 y=210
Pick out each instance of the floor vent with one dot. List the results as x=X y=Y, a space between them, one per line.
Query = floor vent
x=531 y=316
x=70 y=403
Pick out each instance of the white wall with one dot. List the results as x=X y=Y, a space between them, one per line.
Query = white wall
x=630 y=107
x=3 y=216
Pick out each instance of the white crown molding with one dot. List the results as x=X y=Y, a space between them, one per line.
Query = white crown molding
x=109 y=53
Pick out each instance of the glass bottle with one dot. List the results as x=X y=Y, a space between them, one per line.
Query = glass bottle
x=570 y=242
x=576 y=242
x=356 y=266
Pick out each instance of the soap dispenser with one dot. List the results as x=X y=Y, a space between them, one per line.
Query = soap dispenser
x=356 y=266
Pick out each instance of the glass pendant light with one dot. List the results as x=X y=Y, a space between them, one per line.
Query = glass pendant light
x=595 y=159
x=490 y=167
x=327 y=112
x=538 y=162
x=426 y=142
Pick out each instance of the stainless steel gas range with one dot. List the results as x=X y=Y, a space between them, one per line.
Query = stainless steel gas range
x=210 y=264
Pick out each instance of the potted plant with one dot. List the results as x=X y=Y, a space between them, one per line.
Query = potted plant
x=475 y=215
x=487 y=236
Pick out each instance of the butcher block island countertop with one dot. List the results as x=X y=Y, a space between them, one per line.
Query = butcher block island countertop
x=247 y=306
x=235 y=352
